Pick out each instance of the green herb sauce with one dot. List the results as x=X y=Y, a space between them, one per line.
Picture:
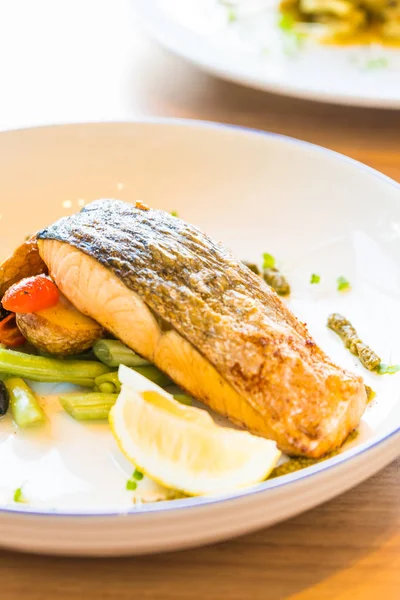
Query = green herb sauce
x=342 y=326
x=302 y=462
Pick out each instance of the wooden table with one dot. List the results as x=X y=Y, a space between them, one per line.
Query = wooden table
x=89 y=60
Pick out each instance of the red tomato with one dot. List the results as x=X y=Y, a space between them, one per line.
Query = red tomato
x=10 y=335
x=31 y=295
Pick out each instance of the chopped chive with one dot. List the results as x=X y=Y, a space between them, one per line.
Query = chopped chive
x=131 y=485
x=315 y=278
x=388 y=369
x=138 y=475
x=377 y=63
x=19 y=496
x=174 y=213
x=232 y=15
x=268 y=261
x=342 y=284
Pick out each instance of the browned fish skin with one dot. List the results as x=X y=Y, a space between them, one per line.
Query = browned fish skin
x=24 y=262
x=229 y=314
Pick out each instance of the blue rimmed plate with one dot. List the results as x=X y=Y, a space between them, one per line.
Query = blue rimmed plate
x=316 y=211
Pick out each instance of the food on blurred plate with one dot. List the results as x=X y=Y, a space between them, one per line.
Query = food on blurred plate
x=345 y=20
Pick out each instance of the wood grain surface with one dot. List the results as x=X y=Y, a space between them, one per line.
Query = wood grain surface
x=106 y=68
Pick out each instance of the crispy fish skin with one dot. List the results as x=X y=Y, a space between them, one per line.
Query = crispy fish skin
x=24 y=262
x=285 y=387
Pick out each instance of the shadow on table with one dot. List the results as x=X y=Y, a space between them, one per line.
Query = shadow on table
x=307 y=554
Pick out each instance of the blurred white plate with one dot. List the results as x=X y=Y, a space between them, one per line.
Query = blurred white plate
x=316 y=211
x=253 y=51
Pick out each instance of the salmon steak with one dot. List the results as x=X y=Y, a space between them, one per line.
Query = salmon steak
x=186 y=304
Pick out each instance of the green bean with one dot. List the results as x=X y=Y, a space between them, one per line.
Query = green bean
x=153 y=374
x=88 y=407
x=111 y=379
x=24 y=405
x=113 y=353
x=184 y=399
x=39 y=368
x=107 y=388
x=149 y=371
x=180 y=395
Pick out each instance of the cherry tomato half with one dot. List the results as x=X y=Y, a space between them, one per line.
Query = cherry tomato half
x=31 y=295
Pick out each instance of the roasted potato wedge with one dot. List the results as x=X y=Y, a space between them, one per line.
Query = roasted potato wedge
x=61 y=330
x=24 y=262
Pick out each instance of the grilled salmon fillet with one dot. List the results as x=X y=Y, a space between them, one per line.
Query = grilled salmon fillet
x=188 y=305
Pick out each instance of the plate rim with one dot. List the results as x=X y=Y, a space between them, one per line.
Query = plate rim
x=301 y=475
x=146 y=10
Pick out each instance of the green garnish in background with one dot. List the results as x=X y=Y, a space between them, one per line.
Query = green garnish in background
x=231 y=13
x=268 y=261
x=293 y=40
x=131 y=485
x=315 y=278
x=342 y=284
x=286 y=23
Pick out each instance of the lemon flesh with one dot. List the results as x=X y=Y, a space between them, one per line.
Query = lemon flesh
x=180 y=446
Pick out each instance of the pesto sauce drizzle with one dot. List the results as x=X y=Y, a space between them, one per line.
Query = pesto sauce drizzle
x=301 y=462
x=271 y=275
x=277 y=281
x=370 y=393
x=253 y=267
x=342 y=326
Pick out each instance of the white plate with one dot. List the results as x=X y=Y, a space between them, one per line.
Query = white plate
x=315 y=210
x=254 y=51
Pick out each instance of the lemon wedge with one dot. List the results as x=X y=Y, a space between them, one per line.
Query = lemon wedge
x=180 y=446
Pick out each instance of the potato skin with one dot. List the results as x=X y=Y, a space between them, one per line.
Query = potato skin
x=49 y=330
x=24 y=262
